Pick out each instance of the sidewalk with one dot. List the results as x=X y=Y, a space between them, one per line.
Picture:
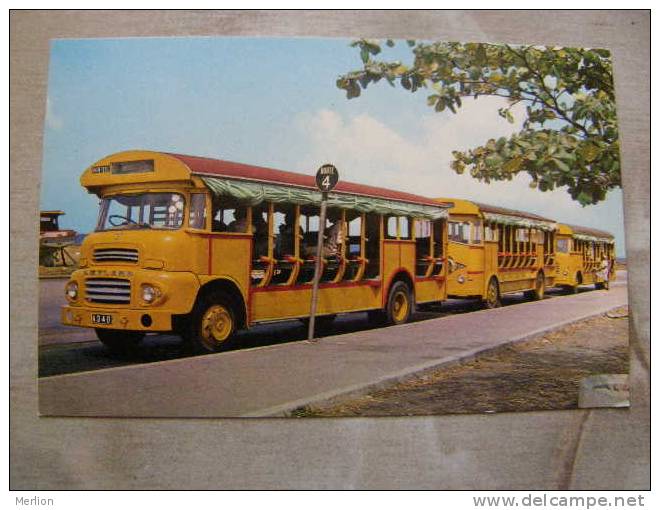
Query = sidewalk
x=273 y=380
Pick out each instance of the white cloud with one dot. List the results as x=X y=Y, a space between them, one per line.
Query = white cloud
x=373 y=151
x=52 y=121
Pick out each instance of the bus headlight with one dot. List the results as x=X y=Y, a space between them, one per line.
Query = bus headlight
x=150 y=293
x=71 y=291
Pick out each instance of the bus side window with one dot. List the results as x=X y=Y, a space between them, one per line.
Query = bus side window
x=438 y=240
x=284 y=229
x=476 y=238
x=229 y=216
x=353 y=244
x=422 y=247
x=490 y=233
x=372 y=245
x=404 y=227
x=197 y=215
x=260 y=228
x=390 y=227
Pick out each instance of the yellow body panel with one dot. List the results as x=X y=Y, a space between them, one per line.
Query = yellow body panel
x=180 y=262
x=274 y=303
x=179 y=290
x=572 y=267
x=472 y=264
x=466 y=270
x=167 y=169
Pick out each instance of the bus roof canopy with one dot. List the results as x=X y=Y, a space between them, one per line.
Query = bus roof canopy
x=591 y=234
x=500 y=215
x=515 y=217
x=253 y=184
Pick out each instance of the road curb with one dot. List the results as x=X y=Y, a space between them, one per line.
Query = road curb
x=337 y=396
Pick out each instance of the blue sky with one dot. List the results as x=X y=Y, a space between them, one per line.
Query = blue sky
x=270 y=102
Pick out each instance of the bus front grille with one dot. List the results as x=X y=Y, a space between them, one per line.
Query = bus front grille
x=115 y=255
x=108 y=290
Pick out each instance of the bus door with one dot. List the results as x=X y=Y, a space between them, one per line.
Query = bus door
x=465 y=258
x=491 y=247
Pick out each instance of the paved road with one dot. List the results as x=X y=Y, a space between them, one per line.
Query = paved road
x=67 y=349
x=273 y=379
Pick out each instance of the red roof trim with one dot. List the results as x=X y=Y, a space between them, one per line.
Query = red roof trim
x=217 y=167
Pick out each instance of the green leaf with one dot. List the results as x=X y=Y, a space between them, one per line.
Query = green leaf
x=512 y=166
x=572 y=143
x=561 y=165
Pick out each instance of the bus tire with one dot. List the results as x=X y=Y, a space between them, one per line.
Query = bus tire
x=539 y=287
x=574 y=289
x=492 y=298
x=212 y=323
x=399 y=304
x=119 y=341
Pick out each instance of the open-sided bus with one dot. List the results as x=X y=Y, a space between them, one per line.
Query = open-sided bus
x=204 y=247
x=494 y=251
x=584 y=256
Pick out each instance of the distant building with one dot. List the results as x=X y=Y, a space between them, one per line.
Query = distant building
x=49 y=229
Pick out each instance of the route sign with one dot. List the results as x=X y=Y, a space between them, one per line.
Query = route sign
x=327 y=177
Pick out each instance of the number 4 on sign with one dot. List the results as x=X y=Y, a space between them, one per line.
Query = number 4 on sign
x=326 y=178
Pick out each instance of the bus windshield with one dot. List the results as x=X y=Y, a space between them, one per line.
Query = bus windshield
x=144 y=210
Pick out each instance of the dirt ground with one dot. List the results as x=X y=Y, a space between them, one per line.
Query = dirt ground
x=59 y=269
x=542 y=373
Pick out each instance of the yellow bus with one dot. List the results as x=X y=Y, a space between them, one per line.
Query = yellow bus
x=494 y=251
x=584 y=256
x=205 y=247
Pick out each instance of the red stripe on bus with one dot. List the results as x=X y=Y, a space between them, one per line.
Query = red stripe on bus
x=222 y=235
x=430 y=279
x=308 y=286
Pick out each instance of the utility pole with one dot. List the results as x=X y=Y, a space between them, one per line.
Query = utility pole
x=326 y=179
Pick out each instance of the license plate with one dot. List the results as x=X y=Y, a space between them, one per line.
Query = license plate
x=102 y=318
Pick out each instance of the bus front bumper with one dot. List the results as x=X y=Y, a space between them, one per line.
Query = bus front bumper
x=124 y=319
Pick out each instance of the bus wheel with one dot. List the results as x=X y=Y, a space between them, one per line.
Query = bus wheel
x=492 y=299
x=539 y=287
x=574 y=289
x=399 y=304
x=119 y=341
x=213 y=323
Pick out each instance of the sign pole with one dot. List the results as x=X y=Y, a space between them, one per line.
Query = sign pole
x=317 y=266
x=326 y=179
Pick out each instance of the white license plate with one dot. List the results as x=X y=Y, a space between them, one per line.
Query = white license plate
x=102 y=318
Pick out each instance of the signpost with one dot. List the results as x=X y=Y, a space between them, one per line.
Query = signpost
x=326 y=179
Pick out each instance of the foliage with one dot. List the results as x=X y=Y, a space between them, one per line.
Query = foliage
x=569 y=137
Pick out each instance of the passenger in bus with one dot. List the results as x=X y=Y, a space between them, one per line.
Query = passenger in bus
x=260 y=230
x=333 y=238
x=240 y=223
x=285 y=242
